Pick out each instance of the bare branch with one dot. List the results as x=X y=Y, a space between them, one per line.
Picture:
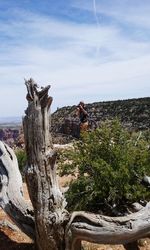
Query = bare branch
x=108 y=230
x=11 y=192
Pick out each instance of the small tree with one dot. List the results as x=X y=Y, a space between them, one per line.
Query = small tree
x=111 y=164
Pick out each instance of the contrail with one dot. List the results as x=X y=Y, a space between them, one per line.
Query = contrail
x=97 y=22
x=95 y=13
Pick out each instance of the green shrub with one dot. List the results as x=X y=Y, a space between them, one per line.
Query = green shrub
x=22 y=158
x=110 y=163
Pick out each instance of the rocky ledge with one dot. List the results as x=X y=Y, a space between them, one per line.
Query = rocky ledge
x=134 y=114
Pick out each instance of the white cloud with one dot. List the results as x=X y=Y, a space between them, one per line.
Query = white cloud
x=80 y=61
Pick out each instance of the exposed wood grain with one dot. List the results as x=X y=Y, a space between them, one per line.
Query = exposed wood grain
x=47 y=199
x=11 y=192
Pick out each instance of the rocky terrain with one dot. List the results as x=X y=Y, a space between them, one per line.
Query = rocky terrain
x=9 y=135
x=12 y=135
x=133 y=113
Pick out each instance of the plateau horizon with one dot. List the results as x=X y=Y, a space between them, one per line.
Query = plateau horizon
x=18 y=118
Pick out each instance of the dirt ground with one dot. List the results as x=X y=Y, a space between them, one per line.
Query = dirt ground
x=11 y=239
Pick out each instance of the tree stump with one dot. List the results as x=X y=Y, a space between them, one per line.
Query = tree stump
x=47 y=199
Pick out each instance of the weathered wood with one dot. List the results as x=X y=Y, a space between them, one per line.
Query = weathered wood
x=11 y=192
x=47 y=199
x=108 y=230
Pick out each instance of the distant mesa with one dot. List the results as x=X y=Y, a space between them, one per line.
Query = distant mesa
x=10 y=120
x=10 y=130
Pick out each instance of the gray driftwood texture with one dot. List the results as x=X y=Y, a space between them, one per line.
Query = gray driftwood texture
x=53 y=227
x=11 y=192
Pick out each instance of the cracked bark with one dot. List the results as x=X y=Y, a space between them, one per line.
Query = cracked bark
x=47 y=199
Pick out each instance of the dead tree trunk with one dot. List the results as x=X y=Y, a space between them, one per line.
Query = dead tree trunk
x=54 y=228
x=47 y=199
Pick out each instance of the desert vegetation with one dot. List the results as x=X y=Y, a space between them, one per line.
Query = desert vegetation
x=110 y=163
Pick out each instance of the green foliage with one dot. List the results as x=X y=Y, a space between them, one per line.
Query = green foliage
x=110 y=163
x=22 y=158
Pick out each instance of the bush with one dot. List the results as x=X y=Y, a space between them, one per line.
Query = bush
x=111 y=163
x=22 y=158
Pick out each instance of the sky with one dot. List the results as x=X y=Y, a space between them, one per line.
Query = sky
x=90 y=50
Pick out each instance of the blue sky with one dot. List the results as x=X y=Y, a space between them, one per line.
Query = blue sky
x=91 y=50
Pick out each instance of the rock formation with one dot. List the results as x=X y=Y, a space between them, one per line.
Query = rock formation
x=133 y=113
